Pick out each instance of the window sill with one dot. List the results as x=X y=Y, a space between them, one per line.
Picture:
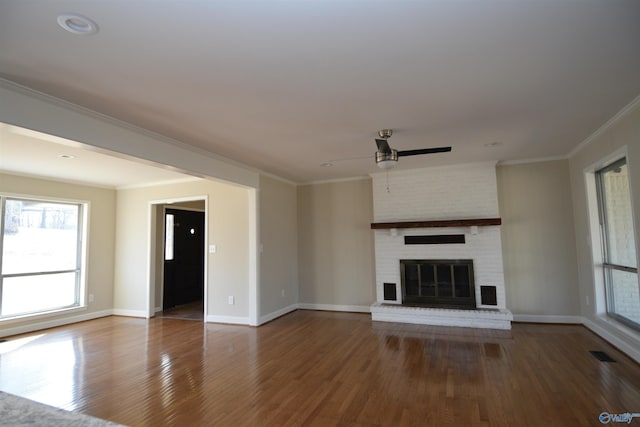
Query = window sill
x=619 y=326
x=42 y=315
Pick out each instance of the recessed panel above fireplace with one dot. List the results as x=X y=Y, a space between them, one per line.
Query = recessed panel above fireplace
x=438 y=283
x=438 y=239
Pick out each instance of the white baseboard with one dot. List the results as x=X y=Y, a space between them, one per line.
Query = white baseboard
x=615 y=341
x=53 y=323
x=335 y=307
x=129 y=313
x=233 y=320
x=544 y=318
x=274 y=315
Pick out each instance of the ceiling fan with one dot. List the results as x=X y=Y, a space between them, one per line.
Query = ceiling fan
x=387 y=157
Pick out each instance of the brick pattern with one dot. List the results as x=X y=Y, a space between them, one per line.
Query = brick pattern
x=467 y=191
x=447 y=192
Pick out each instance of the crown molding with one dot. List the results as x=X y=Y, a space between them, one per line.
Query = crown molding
x=335 y=181
x=534 y=160
x=605 y=127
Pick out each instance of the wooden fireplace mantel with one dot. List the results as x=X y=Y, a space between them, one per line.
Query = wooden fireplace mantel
x=479 y=222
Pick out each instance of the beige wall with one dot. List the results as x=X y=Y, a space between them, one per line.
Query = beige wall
x=279 y=239
x=335 y=244
x=538 y=240
x=100 y=263
x=228 y=229
x=624 y=131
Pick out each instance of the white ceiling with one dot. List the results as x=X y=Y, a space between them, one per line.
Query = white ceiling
x=286 y=85
x=24 y=151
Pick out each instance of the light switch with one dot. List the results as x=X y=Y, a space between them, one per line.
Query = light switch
x=231 y=300
x=212 y=249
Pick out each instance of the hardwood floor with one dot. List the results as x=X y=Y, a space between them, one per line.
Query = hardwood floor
x=190 y=311
x=319 y=369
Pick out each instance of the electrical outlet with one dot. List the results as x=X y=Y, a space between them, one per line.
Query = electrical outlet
x=212 y=249
x=90 y=297
x=231 y=300
x=282 y=292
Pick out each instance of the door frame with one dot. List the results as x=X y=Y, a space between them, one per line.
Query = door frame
x=160 y=280
x=153 y=246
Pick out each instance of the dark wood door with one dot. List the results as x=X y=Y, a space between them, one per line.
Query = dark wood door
x=184 y=257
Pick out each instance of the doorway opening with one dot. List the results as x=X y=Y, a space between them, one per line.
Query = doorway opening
x=180 y=290
x=183 y=266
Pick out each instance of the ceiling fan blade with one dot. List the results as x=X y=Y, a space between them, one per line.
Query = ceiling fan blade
x=383 y=146
x=423 y=151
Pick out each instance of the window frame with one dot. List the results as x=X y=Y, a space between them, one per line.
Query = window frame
x=607 y=266
x=80 y=261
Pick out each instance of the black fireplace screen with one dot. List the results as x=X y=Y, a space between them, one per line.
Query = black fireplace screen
x=438 y=283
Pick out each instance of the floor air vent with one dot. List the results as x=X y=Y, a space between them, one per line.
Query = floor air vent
x=602 y=356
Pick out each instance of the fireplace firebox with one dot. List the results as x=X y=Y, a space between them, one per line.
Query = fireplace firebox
x=438 y=283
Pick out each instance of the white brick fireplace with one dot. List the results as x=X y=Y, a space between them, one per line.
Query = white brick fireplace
x=458 y=192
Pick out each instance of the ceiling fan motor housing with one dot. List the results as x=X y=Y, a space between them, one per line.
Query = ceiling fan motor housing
x=385 y=133
x=386 y=160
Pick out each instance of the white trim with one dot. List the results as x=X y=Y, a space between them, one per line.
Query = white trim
x=232 y=320
x=5 y=332
x=184 y=208
x=160 y=183
x=614 y=156
x=605 y=127
x=153 y=243
x=278 y=313
x=83 y=231
x=205 y=273
x=546 y=318
x=130 y=313
x=335 y=307
x=53 y=179
x=612 y=339
x=533 y=160
x=158 y=309
x=40 y=198
x=254 y=256
x=278 y=178
x=335 y=180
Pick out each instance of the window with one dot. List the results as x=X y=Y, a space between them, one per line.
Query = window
x=168 y=237
x=41 y=250
x=618 y=242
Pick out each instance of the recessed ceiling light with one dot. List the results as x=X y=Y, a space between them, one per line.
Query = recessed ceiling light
x=66 y=156
x=326 y=164
x=77 y=24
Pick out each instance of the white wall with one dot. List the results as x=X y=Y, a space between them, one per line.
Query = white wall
x=279 y=241
x=538 y=241
x=101 y=246
x=227 y=228
x=621 y=133
x=438 y=193
x=444 y=192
